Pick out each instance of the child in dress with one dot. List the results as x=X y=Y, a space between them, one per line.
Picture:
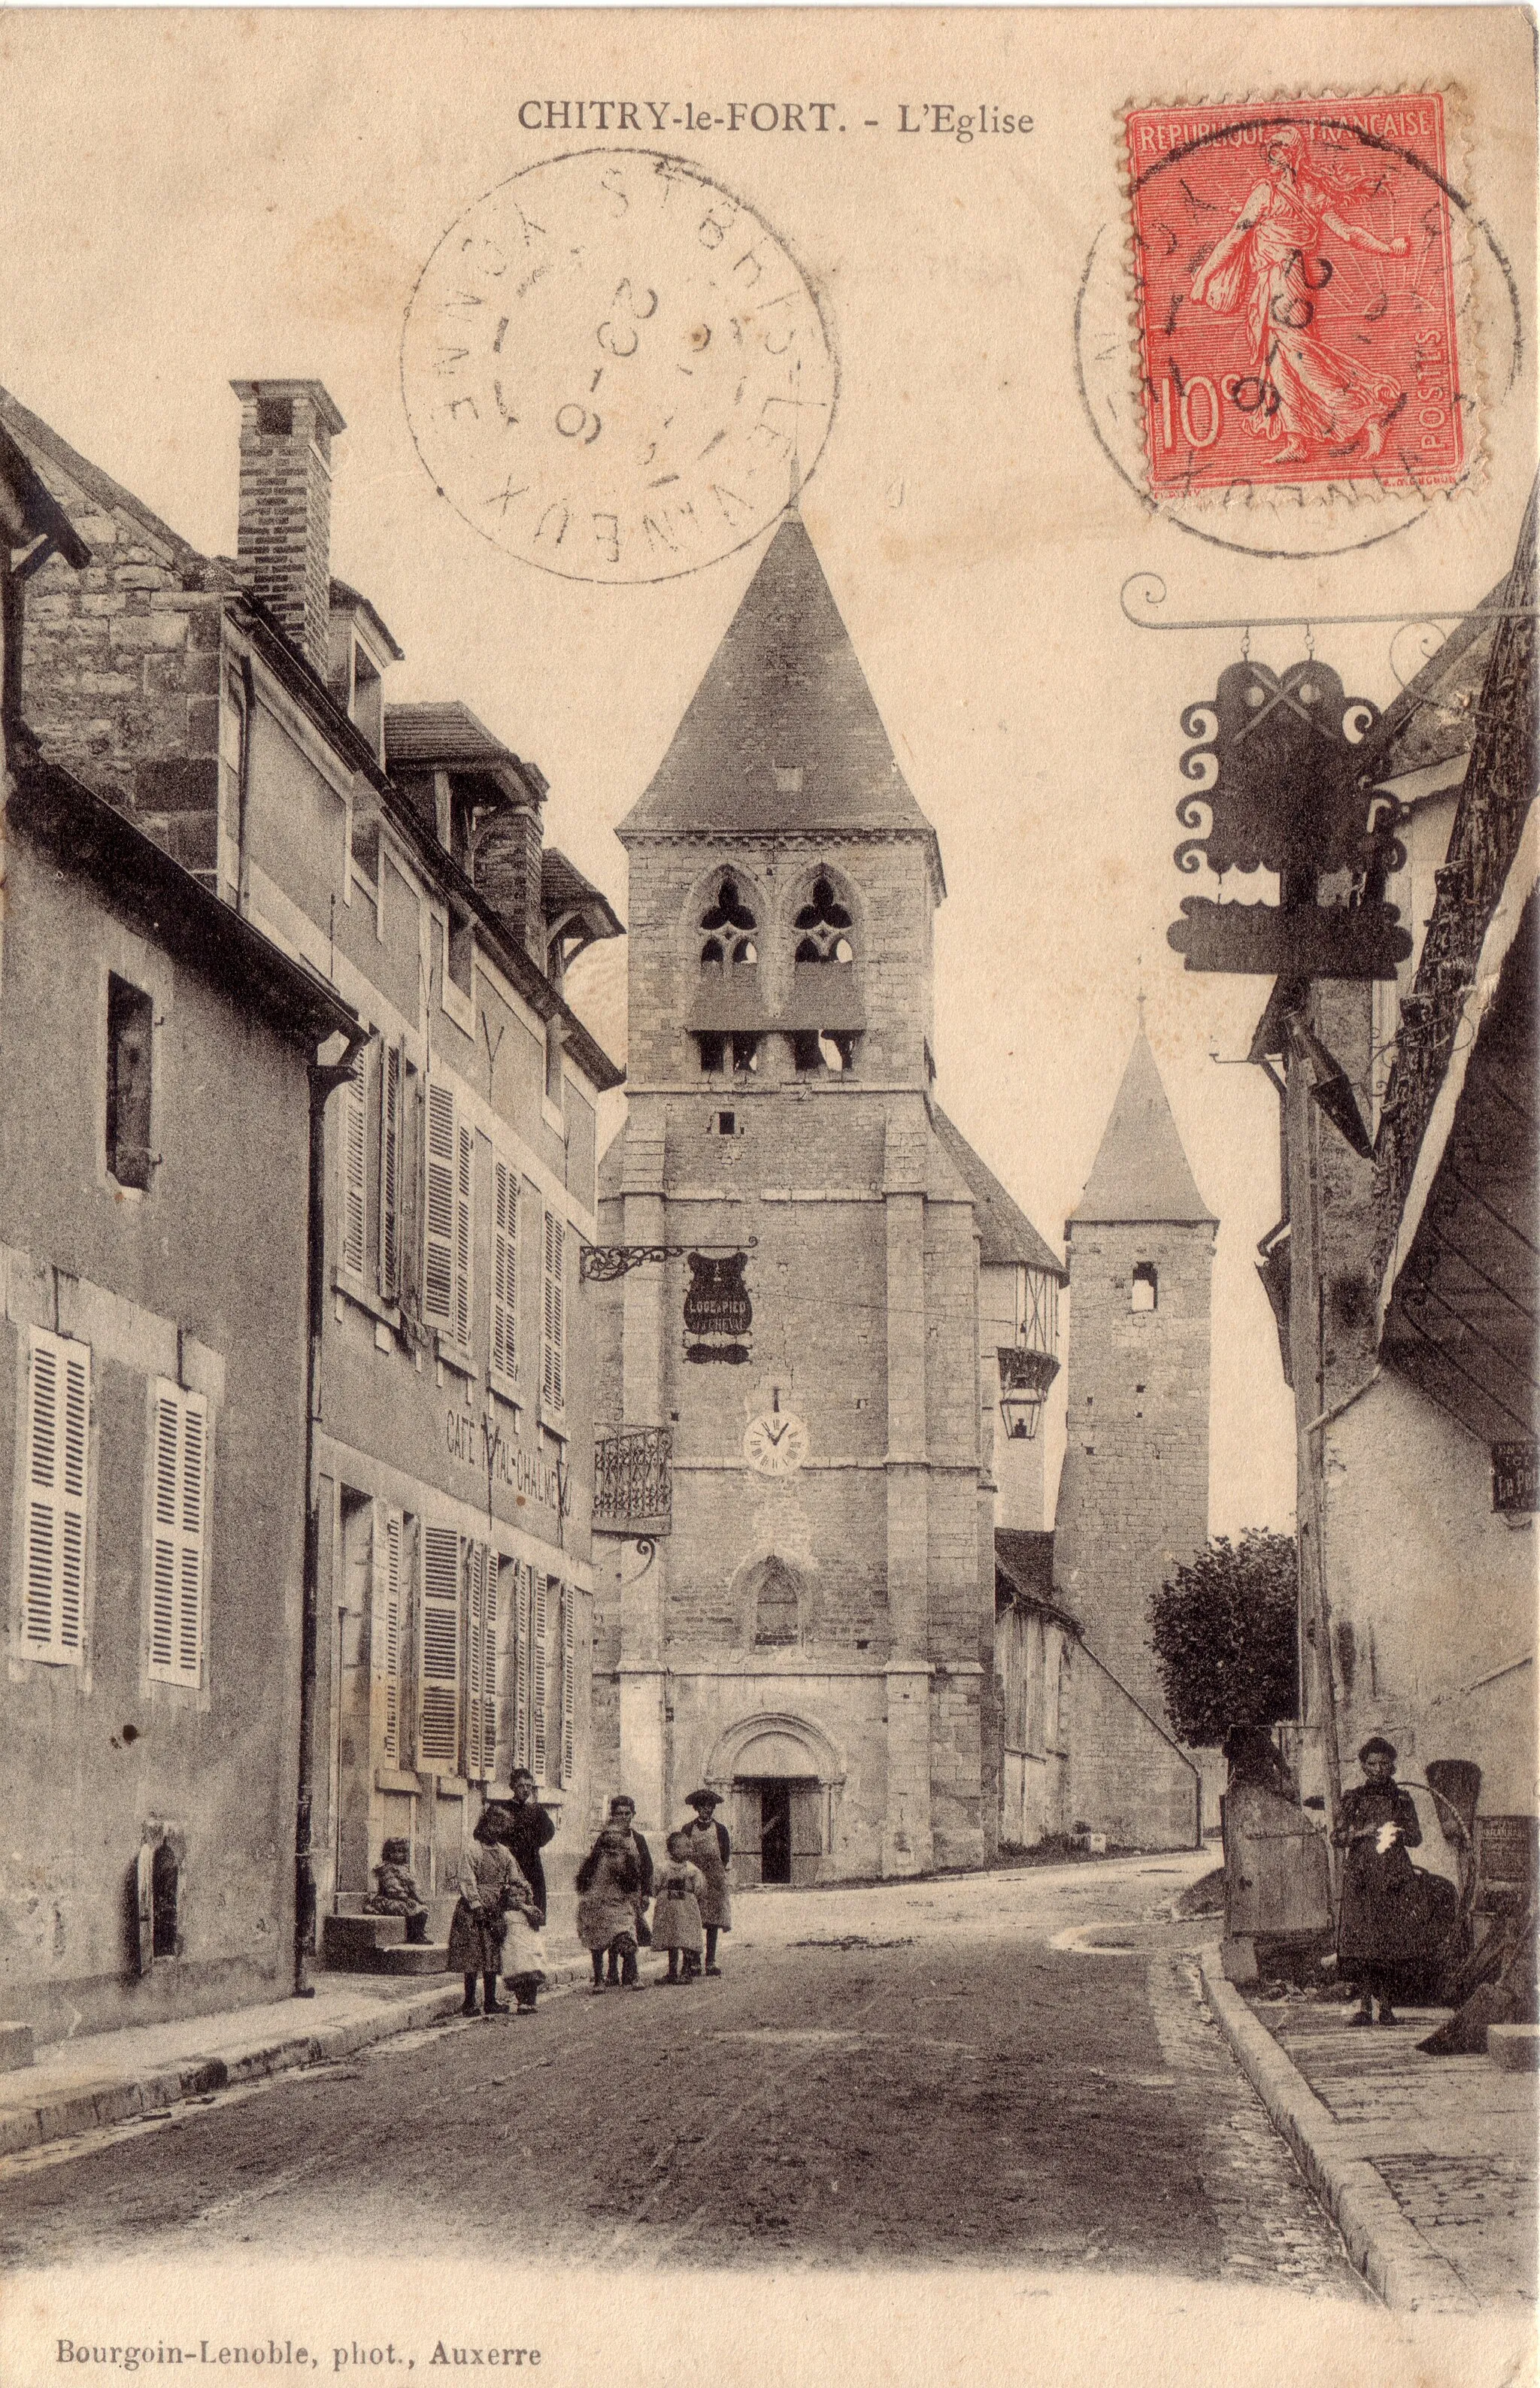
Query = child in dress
x=395 y=1891
x=609 y=1883
x=492 y=1888
x=676 y=1911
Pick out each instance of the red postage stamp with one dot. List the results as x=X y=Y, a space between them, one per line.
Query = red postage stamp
x=1294 y=268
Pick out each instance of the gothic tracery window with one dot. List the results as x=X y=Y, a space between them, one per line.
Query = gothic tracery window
x=729 y=927
x=823 y=926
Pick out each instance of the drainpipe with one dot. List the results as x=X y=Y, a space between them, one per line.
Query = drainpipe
x=325 y=1078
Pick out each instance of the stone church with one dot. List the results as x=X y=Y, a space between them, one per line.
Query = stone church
x=799 y=1610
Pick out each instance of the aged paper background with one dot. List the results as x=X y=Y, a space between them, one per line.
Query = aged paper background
x=190 y=198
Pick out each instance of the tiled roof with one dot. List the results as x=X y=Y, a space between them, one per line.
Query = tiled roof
x=564 y=889
x=344 y=597
x=429 y=734
x=783 y=733
x=1140 y=1171
x=1006 y=1235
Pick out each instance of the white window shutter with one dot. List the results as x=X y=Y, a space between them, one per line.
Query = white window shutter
x=438 y=1210
x=179 y=1506
x=465 y=1165
x=389 y=1626
x=553 y=1319
x=439 y=1735
x=569 y=1678
x=482 y=1664
x=538 y=1673
x=391 y=1175
x=355 y=1178
x=58 y=1460
x=520 y=1646
x=504 y=1268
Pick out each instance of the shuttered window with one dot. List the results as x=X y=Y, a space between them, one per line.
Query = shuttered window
x=482 y=1664
x=58 y=1446
x=553 y=1316
x=504 y=1268
x=355 y=1170
x=438 y=1726
x=179 y=1511
x=447 y=1224
x=538 y=1750
x=390 y=1174
x=388 y=1628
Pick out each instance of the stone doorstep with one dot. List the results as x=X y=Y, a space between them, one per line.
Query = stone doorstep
x=1395 y=2259
x=121 y=2097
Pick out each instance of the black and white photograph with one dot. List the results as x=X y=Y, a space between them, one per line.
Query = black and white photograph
x=769 y=1132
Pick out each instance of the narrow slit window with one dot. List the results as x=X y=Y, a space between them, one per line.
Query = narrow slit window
x=130 y=1025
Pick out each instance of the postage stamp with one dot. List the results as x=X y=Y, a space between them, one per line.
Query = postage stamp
x=1295 y=266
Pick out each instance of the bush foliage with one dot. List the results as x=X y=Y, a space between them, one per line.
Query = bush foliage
x=1224 y=1630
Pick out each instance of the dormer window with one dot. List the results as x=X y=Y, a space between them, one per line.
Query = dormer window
x=823 y=926
x=729 y=927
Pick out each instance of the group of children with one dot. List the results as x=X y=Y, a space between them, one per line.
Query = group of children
x=503 y=1879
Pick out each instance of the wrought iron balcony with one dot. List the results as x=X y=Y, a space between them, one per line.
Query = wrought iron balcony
x=633 y=1481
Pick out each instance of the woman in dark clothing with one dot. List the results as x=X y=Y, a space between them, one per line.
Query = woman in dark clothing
x=528 y=1828
x=622 y=1820
x=1381 y=1916
x=711 y=1850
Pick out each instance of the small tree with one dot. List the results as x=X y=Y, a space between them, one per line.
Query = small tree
x=1224 y=1633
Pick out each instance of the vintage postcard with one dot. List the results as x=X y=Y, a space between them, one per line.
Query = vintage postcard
x=768 y=1196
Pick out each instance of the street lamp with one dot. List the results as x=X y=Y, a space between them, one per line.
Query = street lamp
x=1025 y=1378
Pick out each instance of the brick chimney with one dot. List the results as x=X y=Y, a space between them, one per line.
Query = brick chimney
x=284 y=540
x=507 y=869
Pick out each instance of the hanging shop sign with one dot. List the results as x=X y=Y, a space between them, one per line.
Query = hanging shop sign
x=1515 y=1475
x=717 y=1312
x=1280 y=788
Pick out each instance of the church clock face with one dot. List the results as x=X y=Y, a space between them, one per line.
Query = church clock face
x=614 y=369
x=776 y=1443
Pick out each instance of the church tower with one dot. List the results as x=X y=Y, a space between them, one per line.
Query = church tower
x=1133 y=1498
x=811 y=1636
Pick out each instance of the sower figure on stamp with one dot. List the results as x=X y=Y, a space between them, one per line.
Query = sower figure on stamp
x=707 y=1847
x=1270 y=266
x=1381 y=1918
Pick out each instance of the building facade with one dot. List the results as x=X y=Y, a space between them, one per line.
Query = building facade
x=812 y=1636
x=1133 y=1495
x=155 y=1054
x=235 y=709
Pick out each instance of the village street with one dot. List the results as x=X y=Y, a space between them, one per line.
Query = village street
x=1005 y=2069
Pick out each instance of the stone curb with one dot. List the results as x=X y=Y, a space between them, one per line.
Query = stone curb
x=1384 y=2245
x=97 y=2105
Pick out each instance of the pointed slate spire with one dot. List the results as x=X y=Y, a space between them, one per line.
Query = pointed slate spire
x=782 y=732
x=1141 y=1172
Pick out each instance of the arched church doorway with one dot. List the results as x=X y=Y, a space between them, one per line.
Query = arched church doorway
x=784 y=1777
x=781 y=1824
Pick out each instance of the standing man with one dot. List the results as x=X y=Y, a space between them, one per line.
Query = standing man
x=527 y=1826
x=711 y=1850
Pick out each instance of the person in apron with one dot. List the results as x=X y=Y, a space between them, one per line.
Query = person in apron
x=1380 y=1922
x=711 y=1850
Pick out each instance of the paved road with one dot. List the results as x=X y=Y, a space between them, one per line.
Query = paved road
x=1011 y=2069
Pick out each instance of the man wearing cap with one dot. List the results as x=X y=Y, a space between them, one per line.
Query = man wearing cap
x=711 y=1850
x=1380 y=1917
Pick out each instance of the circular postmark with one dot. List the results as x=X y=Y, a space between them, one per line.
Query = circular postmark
x=613 y=368
x=1290 y=348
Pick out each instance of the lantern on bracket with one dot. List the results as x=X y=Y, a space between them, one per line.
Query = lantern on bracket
x=1025 y=1378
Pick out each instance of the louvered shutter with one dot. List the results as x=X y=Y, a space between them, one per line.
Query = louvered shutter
x=389 y=1624
x=520 y=1643
x=439 y=1735
x=504 y=1268
x=391 y=1175
x=475 y=1651
x=538 y=1676
x=569 y=1678
x=179 y=1461
x=58 y=1428
x=355 y=1174
x=438 y=1224
x=464 y=1163
x=553 y=1319
x=482 y=1665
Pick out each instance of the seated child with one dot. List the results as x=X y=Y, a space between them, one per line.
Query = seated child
x=676 y=1911
x=395 y=1891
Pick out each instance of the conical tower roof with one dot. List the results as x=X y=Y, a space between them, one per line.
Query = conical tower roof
x=1141 y=1172
x=783 y=733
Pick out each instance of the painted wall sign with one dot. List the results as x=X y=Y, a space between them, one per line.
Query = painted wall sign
x=521 y=1472
x=1515 y=1474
